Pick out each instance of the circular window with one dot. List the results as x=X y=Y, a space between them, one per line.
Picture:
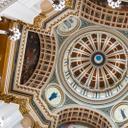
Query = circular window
x=94 y=64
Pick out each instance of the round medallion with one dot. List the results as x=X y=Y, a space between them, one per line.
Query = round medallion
x=98 y=59
x=68 y=26
x=54 y=96
x=119 y=112
x=94 y=64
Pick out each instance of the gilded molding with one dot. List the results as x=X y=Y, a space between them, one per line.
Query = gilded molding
x=36 y=125
x=68 y=3
x=38 y=20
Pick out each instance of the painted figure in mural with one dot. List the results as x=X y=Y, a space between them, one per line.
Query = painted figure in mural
x=71 y=20
x=53 y=96
x=67 y=24
x=123 y=113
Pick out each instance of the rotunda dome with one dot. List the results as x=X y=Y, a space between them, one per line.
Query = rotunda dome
x=94 y=64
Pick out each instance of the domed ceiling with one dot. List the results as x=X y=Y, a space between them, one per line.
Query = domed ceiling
x=71 y=66
x=93 y=64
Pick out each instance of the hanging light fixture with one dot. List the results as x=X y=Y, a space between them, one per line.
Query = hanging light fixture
x=58 y=5
x=14 y=34
x=114 y=3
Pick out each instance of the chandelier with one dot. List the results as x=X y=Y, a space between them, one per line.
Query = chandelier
x=14 y=34
x=58 y=5
x=114 y=3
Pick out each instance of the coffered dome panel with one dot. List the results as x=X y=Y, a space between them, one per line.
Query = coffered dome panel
x=78 y=117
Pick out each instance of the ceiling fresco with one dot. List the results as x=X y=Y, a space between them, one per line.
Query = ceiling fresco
x=73 y=69
x=31 y=56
